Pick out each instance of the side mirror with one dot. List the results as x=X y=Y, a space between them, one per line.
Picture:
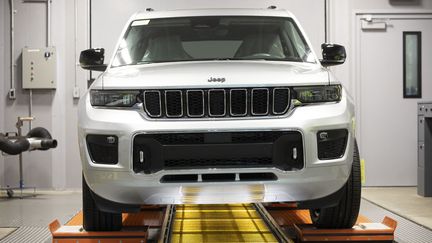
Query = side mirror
x=93 y=59
x=333 y=54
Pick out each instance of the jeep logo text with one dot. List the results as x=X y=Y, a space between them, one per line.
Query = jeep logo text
x=220 y=80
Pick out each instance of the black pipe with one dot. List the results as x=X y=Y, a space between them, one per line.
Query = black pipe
x=48 y=143
x=39 y=132
x=13 y=148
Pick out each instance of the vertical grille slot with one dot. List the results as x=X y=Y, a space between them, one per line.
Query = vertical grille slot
x=152 y=103
x=195 y=103
x=281 y=100
x=260 y=101
x=217 y=102
x=173 y=103
x=238 y=106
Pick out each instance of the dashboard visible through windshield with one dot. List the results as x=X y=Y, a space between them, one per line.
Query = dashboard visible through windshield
x=212 y=38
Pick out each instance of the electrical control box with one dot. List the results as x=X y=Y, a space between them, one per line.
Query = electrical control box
x=39 y=68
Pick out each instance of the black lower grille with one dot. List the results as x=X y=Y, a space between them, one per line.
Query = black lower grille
x=332 y=143
x=279 y=149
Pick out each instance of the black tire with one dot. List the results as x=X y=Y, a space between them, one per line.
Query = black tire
x=93 y=218
x=345 y=214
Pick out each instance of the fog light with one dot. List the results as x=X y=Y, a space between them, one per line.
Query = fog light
x=103 y=149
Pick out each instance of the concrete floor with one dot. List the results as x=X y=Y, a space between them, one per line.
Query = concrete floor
x=6 y=231
x=40 y=210
x=402 y=201
x=28 y=218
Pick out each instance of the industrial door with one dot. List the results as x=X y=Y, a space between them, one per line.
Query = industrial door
x=387 y=96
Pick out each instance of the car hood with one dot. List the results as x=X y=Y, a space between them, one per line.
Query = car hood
x=197 y=75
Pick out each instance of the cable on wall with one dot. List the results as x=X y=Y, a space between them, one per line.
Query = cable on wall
x=12 y=93
x=90 y=36
x=75 y=39
x=326 y=9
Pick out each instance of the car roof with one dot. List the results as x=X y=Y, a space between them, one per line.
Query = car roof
x=153 y=14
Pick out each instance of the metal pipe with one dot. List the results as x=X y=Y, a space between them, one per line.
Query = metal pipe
x=48 y=23
x=12 y=48
x=90 y=35
x=76 y=33
x=20 y=158
x=327 y=21
x=30 y=108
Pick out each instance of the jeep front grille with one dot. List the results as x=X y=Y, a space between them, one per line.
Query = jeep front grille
x=216 y=103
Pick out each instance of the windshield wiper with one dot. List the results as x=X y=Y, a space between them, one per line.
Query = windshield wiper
x=222 y=59
x=188 y=60
x=291 y=59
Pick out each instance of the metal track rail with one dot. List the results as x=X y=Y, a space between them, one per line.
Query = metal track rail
x=165 y=235
x=272 y=224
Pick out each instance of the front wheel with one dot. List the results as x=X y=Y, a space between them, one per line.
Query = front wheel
x=343 y=215
x=93 y=218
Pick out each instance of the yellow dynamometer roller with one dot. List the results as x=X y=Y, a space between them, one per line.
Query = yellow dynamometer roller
x=219 y=223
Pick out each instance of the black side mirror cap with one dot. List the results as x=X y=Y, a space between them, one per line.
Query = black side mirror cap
x=93 y=59
x=333 y=54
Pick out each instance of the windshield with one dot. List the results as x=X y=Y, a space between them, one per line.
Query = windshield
x=212 y=38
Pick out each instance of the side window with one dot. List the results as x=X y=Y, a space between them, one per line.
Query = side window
x=412 y=73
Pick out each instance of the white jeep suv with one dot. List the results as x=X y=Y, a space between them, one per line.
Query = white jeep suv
x=217 y=106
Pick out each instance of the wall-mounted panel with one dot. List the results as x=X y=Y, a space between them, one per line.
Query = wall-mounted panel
x=39 y=67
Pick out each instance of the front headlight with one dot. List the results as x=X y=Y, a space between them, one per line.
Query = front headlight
x=318 y=94
x=113 y=98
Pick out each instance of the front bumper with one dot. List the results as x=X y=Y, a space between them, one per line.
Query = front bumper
x=119 y=183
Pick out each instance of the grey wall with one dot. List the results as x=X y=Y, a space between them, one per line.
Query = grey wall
x=56 y=110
